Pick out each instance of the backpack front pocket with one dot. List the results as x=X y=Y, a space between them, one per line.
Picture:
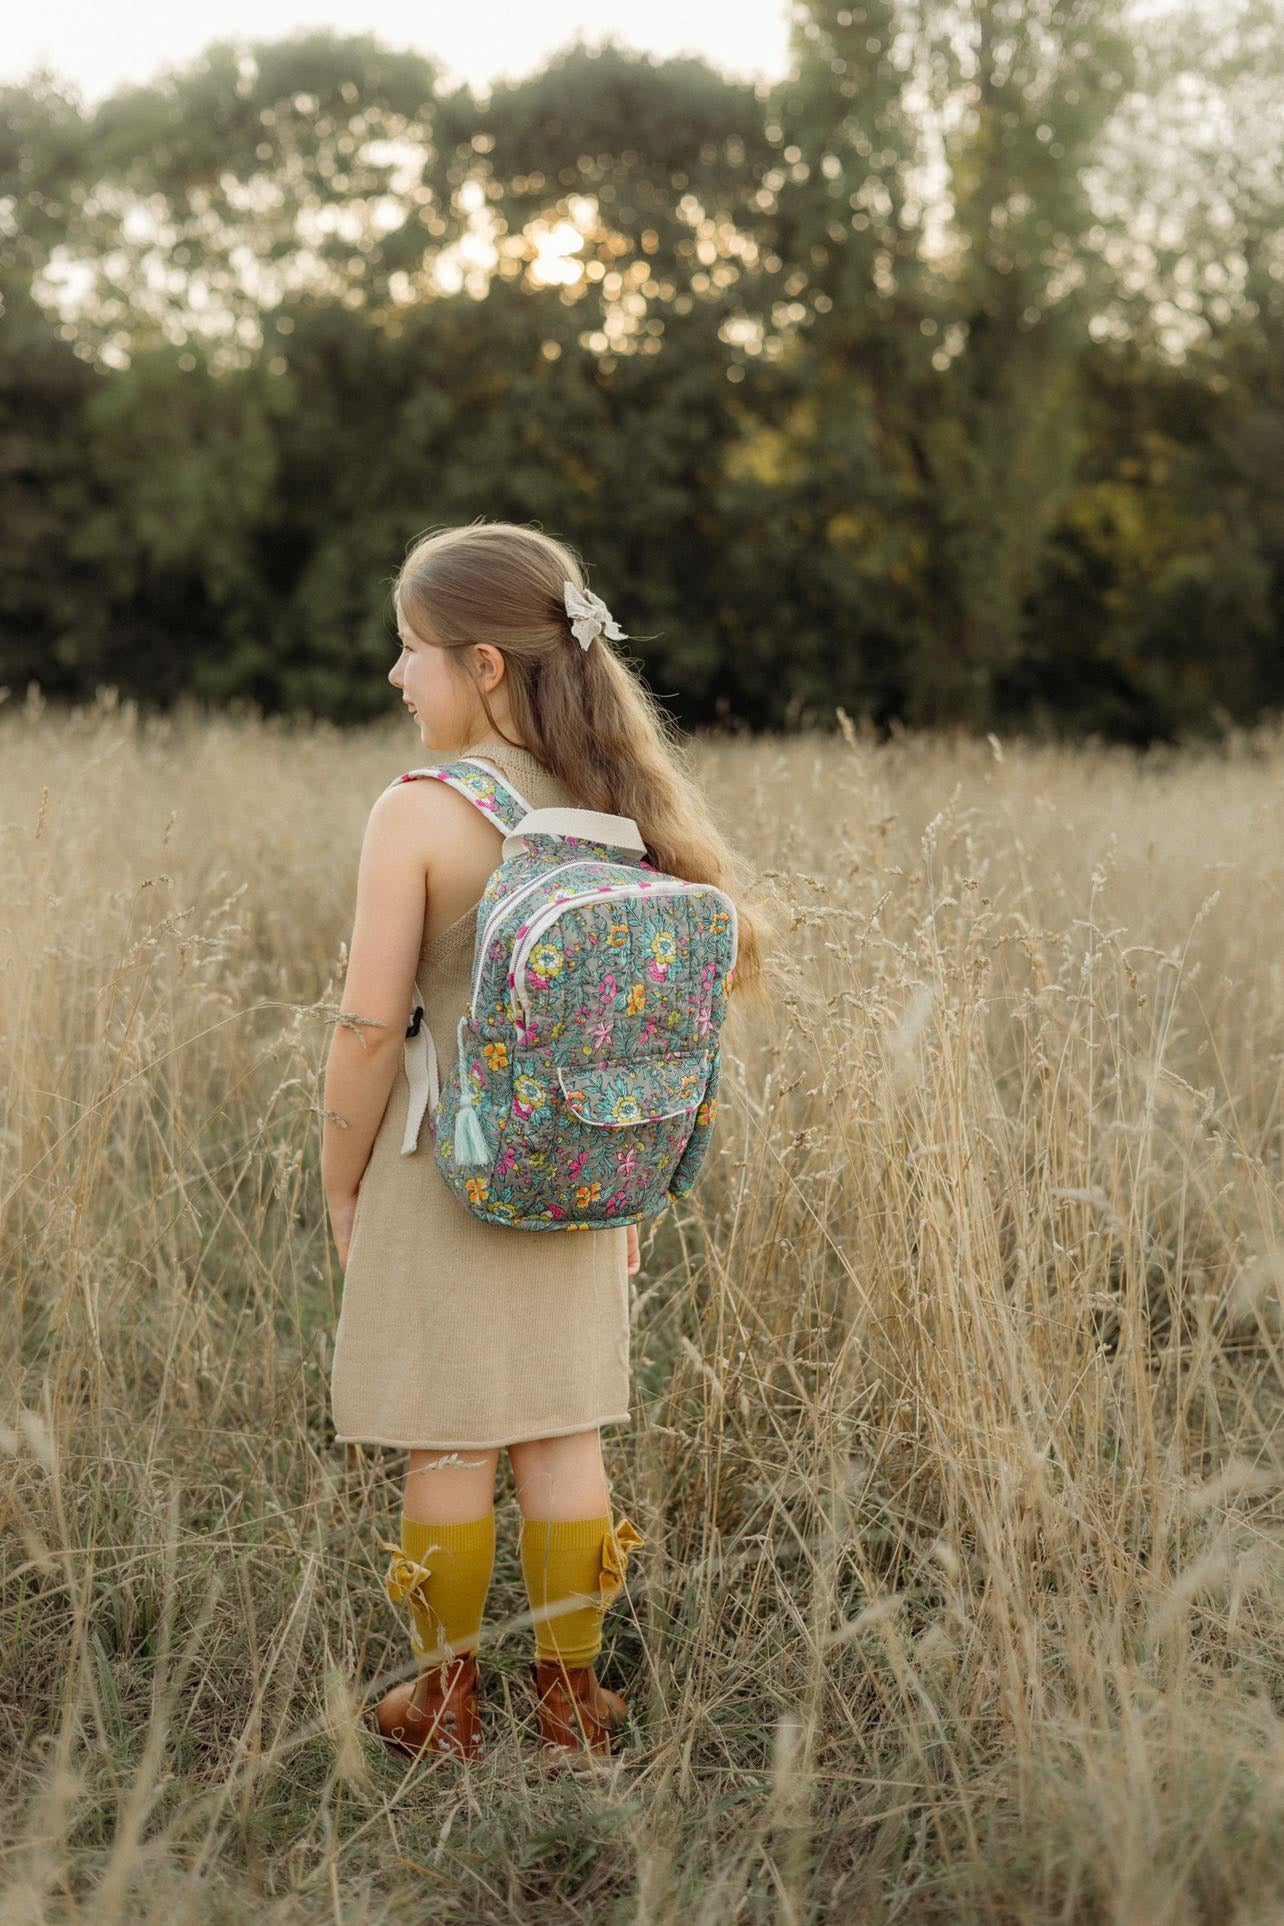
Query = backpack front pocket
x=603 y=1138
x=633 y=1119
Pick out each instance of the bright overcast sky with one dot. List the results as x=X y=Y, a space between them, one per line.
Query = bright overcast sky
x=100 y=47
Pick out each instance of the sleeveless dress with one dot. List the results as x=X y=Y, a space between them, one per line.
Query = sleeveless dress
x=454 y=1332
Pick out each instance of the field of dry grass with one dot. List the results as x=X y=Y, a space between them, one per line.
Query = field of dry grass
x=956 y=1436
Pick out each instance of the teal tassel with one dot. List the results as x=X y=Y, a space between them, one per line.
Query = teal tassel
x=470 y=1140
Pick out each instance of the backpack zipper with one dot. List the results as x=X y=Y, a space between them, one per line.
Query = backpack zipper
x=607 y=893
x=501 y=910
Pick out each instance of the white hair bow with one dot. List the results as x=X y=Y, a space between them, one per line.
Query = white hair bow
x=589 y=616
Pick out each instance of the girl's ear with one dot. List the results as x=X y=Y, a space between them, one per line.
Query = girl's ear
x=490 y=666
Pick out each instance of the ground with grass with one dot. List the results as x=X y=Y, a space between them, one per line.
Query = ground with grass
x=956 y=1435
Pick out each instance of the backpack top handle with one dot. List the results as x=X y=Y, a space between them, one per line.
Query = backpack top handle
x=590 y=825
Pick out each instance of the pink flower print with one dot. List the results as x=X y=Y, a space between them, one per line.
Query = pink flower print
x=658 y=972
x=601 y=1033
x=627 y=1160
x=618 y=1200
x=577 y=1164
x=648 y=1029
x=606 y=988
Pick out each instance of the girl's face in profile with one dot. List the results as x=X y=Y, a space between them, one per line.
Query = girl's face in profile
x=438 y=700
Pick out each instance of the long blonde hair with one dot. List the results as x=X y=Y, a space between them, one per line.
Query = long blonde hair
x=584 y=715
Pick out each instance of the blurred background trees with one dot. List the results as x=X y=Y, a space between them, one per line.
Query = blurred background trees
x=941 y=382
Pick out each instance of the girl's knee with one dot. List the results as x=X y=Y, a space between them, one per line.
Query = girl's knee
x=562 y=1477
x=451 y=1486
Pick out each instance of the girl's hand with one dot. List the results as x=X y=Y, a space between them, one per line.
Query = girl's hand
x=341 y=1216
x=634 y=1254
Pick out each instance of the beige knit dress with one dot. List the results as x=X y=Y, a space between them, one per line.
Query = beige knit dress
x=455 y=1332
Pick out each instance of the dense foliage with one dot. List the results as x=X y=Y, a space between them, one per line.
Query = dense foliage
x=939 y=383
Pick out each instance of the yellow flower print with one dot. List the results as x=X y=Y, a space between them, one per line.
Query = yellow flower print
x=664 y=946
x=476 y=1188
x=618 y=1541
x=707 y=1111
x=617 y=935
x=587 y=1194
x=627 y=1108
x=496 y=1054
x=636 y=999
x=546 y=960
x=529 y=1092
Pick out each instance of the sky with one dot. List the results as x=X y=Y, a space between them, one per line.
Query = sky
x=100 y=48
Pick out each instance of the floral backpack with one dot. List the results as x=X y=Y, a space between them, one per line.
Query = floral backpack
x=586 y=1086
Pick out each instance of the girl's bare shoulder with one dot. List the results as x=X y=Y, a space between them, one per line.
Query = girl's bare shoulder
x=457 y=846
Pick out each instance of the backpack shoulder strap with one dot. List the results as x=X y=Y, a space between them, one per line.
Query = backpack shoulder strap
x=485 y=786
x=489 y=790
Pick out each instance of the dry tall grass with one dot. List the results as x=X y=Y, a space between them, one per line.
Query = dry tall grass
x=957 y=1380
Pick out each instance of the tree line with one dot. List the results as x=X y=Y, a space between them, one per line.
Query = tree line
x=940 y=382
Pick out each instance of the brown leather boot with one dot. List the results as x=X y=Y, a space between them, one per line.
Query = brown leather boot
x=435 y=1713
x=578 y=1717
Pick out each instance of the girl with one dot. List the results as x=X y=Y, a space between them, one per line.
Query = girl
x=458 y=1338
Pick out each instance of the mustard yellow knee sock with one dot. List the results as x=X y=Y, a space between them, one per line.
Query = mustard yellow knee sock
x=565 y=1558
x=443 y=1573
